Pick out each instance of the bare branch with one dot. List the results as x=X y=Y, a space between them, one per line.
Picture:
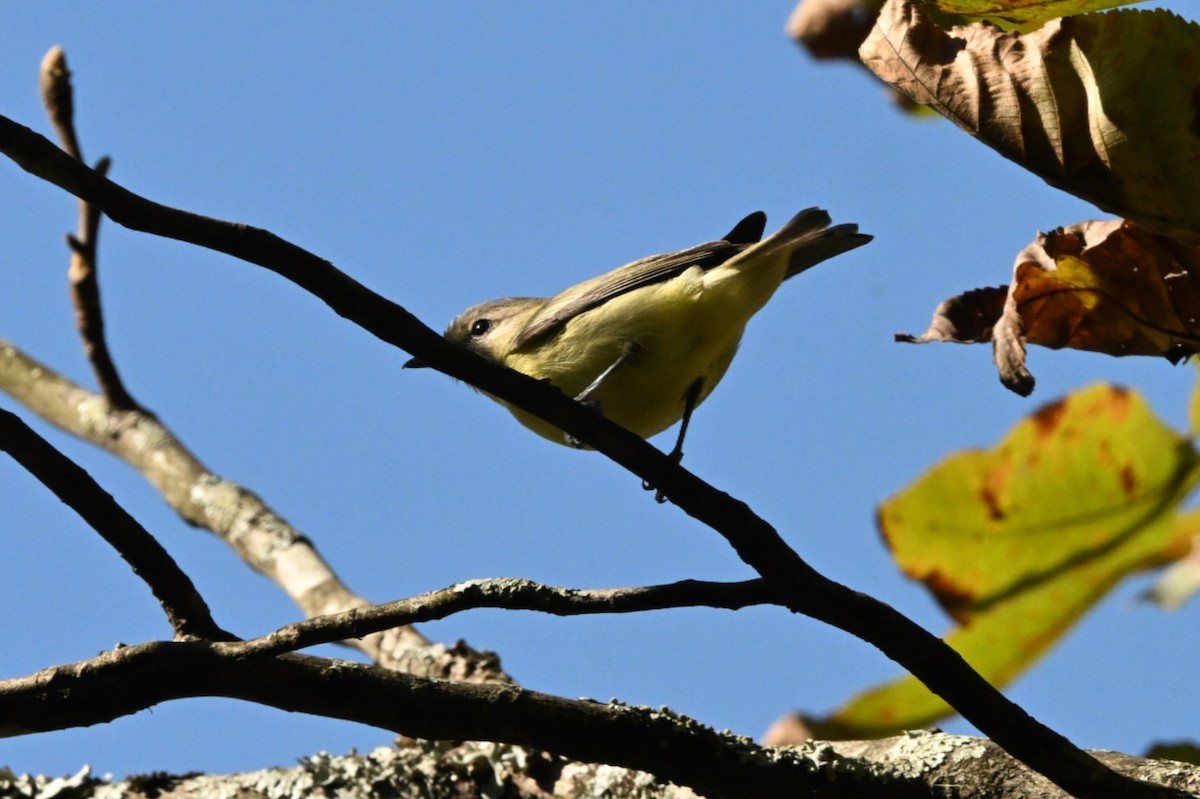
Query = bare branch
x=59 y=98
x=185 y=609
x=124 y=681
x=85 y=296
x=670 y=746
x=264 y=540
x=510 y=594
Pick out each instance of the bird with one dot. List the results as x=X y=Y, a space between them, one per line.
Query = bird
x=646 y=343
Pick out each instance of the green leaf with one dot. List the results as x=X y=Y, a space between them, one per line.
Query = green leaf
x=1023 y=14
x=1019 y=541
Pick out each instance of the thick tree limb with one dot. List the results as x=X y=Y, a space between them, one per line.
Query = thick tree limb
x=186 y=610
x=126 y=680
x=797 y=585
x=944 y=765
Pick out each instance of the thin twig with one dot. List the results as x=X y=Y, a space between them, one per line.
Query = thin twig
x=797 y=585
x=54 y=82
x=509 y=594
x=185 y=608
x=59 y=98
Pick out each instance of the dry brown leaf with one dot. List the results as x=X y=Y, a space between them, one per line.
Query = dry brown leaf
x=835 y=29
x=832 y=28
x=1102 y=105
x=1102 y=286
x=965 y=319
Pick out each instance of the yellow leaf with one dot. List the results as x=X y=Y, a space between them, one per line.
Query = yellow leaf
x=1017 y=542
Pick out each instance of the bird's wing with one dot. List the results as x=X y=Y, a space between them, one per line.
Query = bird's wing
x=655 y=269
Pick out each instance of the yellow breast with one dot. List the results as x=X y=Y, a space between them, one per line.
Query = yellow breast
x=683 y=329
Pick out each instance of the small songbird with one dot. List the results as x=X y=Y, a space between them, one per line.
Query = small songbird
x=646 y=343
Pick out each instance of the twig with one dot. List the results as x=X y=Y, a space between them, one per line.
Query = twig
x=59 y=98
x=510 y=594
x=797 y=585
x=54 y=82
x=259 y=536
x=185 y=608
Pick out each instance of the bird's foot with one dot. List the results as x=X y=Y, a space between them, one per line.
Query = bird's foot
x=675 y=455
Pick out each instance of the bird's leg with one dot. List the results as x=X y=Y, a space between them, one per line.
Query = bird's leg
x=585 y=397
x=690 y=399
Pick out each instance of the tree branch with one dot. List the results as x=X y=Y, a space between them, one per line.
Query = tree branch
x=509 y=594
x=59 y=99
x=674 y=748
x=185 y=608
x=54 y=83
x=124 y=681
x=944 y=765
x=797 y=585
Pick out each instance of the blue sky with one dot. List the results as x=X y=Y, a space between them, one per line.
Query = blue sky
x=444 y=154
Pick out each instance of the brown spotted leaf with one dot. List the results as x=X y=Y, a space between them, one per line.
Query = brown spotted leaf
x=1101 y=286
x=1105 y=106
x=1018 y=541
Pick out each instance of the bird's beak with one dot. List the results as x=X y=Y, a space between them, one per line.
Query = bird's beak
x=414 y=363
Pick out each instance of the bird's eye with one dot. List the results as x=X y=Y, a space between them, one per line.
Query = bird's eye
x=480 y=326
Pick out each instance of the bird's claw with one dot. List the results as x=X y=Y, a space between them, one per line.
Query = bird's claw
x=676 y=456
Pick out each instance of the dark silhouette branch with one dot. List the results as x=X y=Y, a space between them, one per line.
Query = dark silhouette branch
x=673 y=747
x=185 y=608
x=127 y=680
x=796 y=584
x=59 y=98
x=509 y=594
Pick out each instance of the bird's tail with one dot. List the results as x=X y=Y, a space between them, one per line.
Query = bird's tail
x=807 y=240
